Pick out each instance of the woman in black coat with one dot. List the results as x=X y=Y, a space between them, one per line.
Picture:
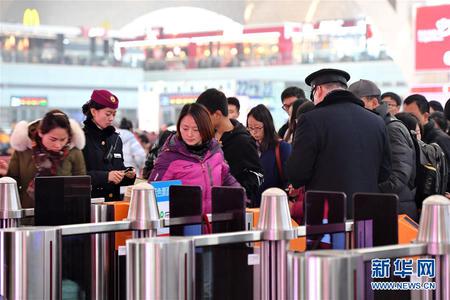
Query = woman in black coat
x=103 y=151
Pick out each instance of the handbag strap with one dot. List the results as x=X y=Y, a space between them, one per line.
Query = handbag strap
x=278 y=161
x=207 y=225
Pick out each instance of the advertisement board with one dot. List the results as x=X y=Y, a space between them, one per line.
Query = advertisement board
x=432 y=38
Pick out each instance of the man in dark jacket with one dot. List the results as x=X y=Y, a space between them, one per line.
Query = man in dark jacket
x=418 y=105
x=403 y=153
x=238 y=146
x=339 y=145
x=288 y=97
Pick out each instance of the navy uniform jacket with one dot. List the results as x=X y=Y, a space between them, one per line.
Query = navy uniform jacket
x=98 y=143
x=340 y=146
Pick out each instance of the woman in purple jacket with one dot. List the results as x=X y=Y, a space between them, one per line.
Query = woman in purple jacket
x=193 y=155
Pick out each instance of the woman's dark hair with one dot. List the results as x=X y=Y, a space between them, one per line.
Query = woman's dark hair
x=302 y=109
x=410 y=121
x=263 y=115
x=447 y=109
x=55 y=119
x=292 y=119
x=126 y=124
x=143 y=138
x=436 y=105
x=201 y=118
x=86 y=108
x=439 y=118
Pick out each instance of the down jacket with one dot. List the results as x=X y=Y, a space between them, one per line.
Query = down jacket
x=175 y=162
x=22 y=167
x=403 y=164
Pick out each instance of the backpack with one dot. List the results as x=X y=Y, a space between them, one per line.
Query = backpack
x=150 y=161
x=431 y=169
x=154 y=152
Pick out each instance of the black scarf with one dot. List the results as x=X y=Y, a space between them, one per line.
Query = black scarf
x=199 y=150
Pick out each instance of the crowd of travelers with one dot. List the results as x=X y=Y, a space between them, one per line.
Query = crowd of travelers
x=347 y=138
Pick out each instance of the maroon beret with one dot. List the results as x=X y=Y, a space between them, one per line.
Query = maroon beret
x=105 y=98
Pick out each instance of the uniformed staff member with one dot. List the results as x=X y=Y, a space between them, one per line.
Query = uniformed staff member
x=339 y=145
x=103 y=150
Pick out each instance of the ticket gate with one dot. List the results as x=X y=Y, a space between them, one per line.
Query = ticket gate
x=151 y=272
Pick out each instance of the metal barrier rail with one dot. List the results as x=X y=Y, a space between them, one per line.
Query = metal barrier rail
x=227 y=238
x=92 y=228
x=241 y=236
x=29 y=212
x=166 y=222
x=320 y=274
x=392 y=251
x=313 y=275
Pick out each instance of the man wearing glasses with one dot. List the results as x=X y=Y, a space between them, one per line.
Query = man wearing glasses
x=393 y=102
x=288 y=97
x=339 y=145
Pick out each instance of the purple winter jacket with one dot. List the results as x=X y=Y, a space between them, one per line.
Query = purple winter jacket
x=175 y=162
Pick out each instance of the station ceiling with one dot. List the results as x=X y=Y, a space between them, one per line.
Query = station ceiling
x=117 y=14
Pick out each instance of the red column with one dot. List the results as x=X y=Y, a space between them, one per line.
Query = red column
x=192 y=55
x=285 y=47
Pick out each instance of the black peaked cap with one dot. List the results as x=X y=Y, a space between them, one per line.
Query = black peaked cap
x=326 y=76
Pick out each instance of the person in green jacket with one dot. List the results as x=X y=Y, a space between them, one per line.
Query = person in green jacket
x=47 y=147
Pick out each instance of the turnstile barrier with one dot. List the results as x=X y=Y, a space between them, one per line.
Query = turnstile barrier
x=31 y=263
x=342 y=274
x=274 y=233
x=160 y=268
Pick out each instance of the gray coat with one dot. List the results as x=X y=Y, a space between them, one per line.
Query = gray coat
x=403 y=163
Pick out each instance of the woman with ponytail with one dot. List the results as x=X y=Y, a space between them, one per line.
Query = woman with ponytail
x=103 y=152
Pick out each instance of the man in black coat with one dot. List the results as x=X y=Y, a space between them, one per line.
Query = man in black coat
x=239 y=148
x=339 y=145
x=403 y=153
x=418 y=105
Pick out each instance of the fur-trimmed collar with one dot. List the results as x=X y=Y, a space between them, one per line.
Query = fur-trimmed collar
x=340 y=96
x=21 y=141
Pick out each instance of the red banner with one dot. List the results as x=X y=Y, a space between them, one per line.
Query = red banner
x=433 y=38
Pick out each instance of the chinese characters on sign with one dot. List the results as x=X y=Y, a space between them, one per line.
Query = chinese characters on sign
x=403 y=267
x=433 y=38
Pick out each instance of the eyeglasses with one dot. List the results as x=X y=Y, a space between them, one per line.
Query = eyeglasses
x=255 y=129
x=286 y=107
x=391 y=104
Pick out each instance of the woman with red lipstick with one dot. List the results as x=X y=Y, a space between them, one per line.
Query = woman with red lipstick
x=47 y=147
x=103 y=152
